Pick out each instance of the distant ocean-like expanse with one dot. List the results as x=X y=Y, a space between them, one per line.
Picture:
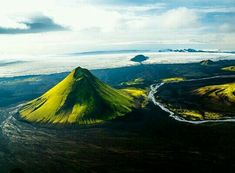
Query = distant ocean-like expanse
x=34 y=65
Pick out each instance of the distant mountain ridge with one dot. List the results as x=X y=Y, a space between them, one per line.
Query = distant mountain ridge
x=103 y=52
x=195 y=51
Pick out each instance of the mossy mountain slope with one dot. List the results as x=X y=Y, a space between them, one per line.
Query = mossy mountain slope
x=221 y=97
x=79 y=98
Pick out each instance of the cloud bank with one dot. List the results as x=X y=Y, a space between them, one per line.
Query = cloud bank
x=35 y=25
x=119 y=24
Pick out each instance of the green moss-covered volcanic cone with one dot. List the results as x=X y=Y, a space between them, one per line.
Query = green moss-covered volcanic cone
x=79 y=98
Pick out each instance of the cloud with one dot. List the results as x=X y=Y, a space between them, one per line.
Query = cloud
x=124 y=2
x=98 y=24
x=37 y=24
x=180 y=18
x=227 y=28
x=171 y=20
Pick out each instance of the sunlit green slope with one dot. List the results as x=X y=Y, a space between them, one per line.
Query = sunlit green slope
x=219 y=94
x=229 y=68
x=80 y=98
x=209 y=99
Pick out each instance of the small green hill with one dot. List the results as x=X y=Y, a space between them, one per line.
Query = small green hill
x=230 y=68
x=173 y=79
x=202 y=99
x=80 y=98
x=207 y=62
x=223 y=95
x=219 y=100
x=137 y=81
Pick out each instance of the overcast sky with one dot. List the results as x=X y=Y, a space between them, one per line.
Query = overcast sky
x=29 y=27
